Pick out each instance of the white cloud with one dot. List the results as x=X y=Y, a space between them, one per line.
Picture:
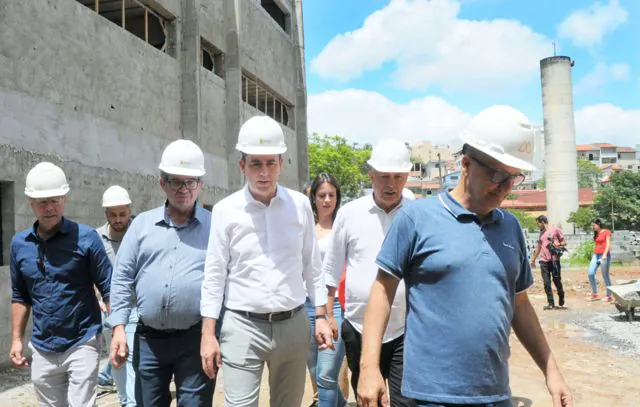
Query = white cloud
x=601 y=75
x=430 y=45
x=587 y=27
x=608 y=123
x=366 y=117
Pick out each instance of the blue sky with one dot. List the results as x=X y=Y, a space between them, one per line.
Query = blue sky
x=419 y=69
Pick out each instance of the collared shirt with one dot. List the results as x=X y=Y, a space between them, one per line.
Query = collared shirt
x=161 y=265
x=462 y=276
x=356 y=237
x=260 y=258
x=549 y=234
x=111 y=246
x=56 y=277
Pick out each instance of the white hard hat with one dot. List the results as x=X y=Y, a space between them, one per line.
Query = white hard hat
x=46 y=180
x=261 y=135
x=115 y=196
x=407 y=193
x=390 y=155
x=183 y=157
x=503 y=133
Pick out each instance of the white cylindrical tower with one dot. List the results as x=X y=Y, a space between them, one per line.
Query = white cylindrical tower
x=561 y=168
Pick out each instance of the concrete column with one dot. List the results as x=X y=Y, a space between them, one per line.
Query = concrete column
x=300 y=111
x=233 y=80
x=190 y=61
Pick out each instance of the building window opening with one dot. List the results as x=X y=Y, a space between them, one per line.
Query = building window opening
x=134 y=17
x=276 y=14
x=212 y=58
x=590 y=157
x=265 y=100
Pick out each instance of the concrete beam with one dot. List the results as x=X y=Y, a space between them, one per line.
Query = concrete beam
x=190 y=62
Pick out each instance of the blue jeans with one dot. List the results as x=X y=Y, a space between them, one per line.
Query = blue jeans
x=596 y=261
x=505 y=403
x=325 y=365
x=125 y=376
x=159 y=355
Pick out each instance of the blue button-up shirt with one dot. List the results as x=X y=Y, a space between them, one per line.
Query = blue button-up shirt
x=161 y=265
x=56 y=277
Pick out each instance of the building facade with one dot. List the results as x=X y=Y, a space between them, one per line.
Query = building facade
x=606 y=156
x=100 y=87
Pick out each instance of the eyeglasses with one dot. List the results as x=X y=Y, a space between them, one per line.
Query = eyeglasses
x=57 y=200
x=500 y=176
x=176 y=184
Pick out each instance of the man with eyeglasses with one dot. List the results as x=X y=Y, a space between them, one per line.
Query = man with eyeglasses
x=54 y=266
x=159 y=268
x=466 y=274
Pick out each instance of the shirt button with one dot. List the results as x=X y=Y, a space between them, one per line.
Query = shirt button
x=163 y=307
x=166 y=285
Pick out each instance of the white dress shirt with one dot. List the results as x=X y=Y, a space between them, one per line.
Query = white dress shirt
x=262 y=258
x=356 y=237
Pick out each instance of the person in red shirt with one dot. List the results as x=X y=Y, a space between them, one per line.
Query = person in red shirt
x=601 y=258
x=549 y=261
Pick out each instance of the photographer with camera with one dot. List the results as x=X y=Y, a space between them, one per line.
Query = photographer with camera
x=550 y=247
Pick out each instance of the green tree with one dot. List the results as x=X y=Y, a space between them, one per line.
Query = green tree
x=618 y=203
x=346 y=162
x=527 y=221
x=583 y=218
x=588 y=175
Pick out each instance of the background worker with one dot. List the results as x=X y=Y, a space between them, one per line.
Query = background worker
x=549 y=259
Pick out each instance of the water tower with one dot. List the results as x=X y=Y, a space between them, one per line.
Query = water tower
x=561 y=168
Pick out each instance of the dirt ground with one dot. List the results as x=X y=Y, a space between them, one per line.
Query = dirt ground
x=598 y=351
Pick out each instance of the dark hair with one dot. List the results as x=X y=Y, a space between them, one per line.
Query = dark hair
x=542 y=219
x=317 y=182
x=599 y=223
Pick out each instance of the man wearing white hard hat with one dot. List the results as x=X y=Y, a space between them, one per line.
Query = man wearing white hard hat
x=464 y=263
x=54 y=267
x=159 y=269
x=357 y=234
x=117 y=209
x=262 y=255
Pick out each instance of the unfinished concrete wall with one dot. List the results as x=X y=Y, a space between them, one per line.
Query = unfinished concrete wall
x=270 y=56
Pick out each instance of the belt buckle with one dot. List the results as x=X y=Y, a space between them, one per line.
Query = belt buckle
x=270 y=317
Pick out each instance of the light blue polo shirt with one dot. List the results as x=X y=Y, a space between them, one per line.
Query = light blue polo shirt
x=461 y=279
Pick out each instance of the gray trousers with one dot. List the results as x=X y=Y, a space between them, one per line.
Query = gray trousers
x=69 y=378
x=248 y=344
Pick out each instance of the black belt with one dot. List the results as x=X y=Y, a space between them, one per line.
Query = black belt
x=271 y=316
x=146 y=330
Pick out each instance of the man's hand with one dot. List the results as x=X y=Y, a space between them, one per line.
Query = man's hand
x=119 y=349
x=17 y=358
x=533 y=263
x=103 y=307
x=334 y=326
x=372 y=391
x=210 y=355
x=324 y=335
x=560 y=392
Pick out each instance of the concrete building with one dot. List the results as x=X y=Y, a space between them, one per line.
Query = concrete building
x=606 y=155
x=100 y=87
x=561 y=169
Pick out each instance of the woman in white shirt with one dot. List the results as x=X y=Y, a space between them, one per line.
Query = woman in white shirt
x=324 y=367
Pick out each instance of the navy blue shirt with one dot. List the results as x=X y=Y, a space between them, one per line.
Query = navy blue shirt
x=56 y=277
x=461 y=278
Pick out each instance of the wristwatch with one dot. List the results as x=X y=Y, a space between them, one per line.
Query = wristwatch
x=323 y=316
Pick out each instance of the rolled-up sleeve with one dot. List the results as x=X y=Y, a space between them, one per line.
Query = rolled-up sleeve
x=100 y=267
x=334 y=258
x=311 y=261
x=19 y=292
x=124 y=274
x=215 y=267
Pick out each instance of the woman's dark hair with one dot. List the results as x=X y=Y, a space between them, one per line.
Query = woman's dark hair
x=599 y=223
x=317 y=182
